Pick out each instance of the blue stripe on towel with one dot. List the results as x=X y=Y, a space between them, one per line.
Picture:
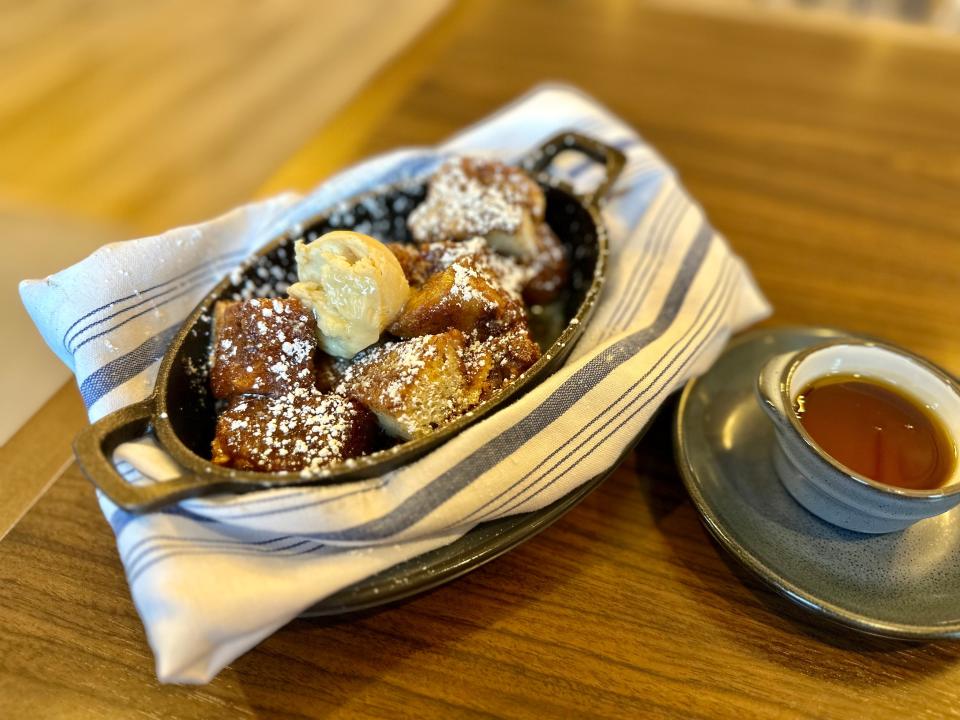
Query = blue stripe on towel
x=713 y=319
x=449 y=483
x=133 y=576
x=120 y=518
x=309 y=492
x=149 y=543
x=632 y=302
x=116 y=372
x=198 y=288
x=138 y=293
x=636 y=196
x=201 y=275
x=702 y=317
x=656 y=244
x=155 y=546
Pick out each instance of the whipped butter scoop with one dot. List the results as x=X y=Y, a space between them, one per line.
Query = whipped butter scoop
x=355 y=287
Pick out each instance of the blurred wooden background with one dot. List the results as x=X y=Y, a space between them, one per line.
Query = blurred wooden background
x=149 y=114
x=942 y=14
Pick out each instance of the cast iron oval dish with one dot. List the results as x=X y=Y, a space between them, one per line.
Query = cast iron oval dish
x=181 y=411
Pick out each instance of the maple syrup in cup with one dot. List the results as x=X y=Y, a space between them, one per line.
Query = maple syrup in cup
x=866 y=433
x=877 y=430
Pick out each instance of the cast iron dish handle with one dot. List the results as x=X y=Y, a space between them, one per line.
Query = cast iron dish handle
x=610 y=157
x=94 y=448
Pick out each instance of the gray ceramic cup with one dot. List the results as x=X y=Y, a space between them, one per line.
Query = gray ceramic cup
x=817 y=481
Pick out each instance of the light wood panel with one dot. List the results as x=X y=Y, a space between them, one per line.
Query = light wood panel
x=36 y=455
x=154 y=114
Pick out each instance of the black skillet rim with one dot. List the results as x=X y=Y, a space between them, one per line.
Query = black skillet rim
x=94 y=445
x=383 y=460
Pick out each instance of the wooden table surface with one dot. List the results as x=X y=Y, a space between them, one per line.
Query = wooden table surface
x=831 y=159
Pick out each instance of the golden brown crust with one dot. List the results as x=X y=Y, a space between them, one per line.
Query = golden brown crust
x=414 y=386
x=463 y=297
x=303 y=430
x=417 y=266
x=421 y=261
x=502 y=358
x=263 y=346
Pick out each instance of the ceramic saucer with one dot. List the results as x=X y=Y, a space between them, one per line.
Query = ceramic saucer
x=904 y=584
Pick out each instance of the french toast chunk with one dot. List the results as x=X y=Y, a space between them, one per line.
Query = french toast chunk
x=422 y=261
x=520 y=243
x=414 y=386
x=263 y=346
x=509 y=273
x=303 y=430
x=500 y=359
x=468 y=197
x=417 y=265
x=465 y=297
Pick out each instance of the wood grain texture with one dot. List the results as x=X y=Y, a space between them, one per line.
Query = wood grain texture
x=832 y=162
x=154 y=114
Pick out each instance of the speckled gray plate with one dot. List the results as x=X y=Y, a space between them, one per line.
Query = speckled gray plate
x=903 y=585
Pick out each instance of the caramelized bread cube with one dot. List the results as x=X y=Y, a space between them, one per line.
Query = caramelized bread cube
x=329 y=370
x=467 y=197
x=464 y=297
x=420 y=261
x=414 y=386
x=301 y=430
x=417 y=267
x=538 y=278
x=507 y=271
x=511 y=183
x=263 y=346
x=501 y=359
x=549 y=268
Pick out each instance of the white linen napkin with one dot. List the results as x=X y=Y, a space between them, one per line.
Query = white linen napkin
x=214 y=576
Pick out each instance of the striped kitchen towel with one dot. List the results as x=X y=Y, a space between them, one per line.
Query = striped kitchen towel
x=215 y=576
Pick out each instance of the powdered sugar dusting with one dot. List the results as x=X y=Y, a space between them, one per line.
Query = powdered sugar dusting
x=469 y=197
x=500 y=270
x=302 y=430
